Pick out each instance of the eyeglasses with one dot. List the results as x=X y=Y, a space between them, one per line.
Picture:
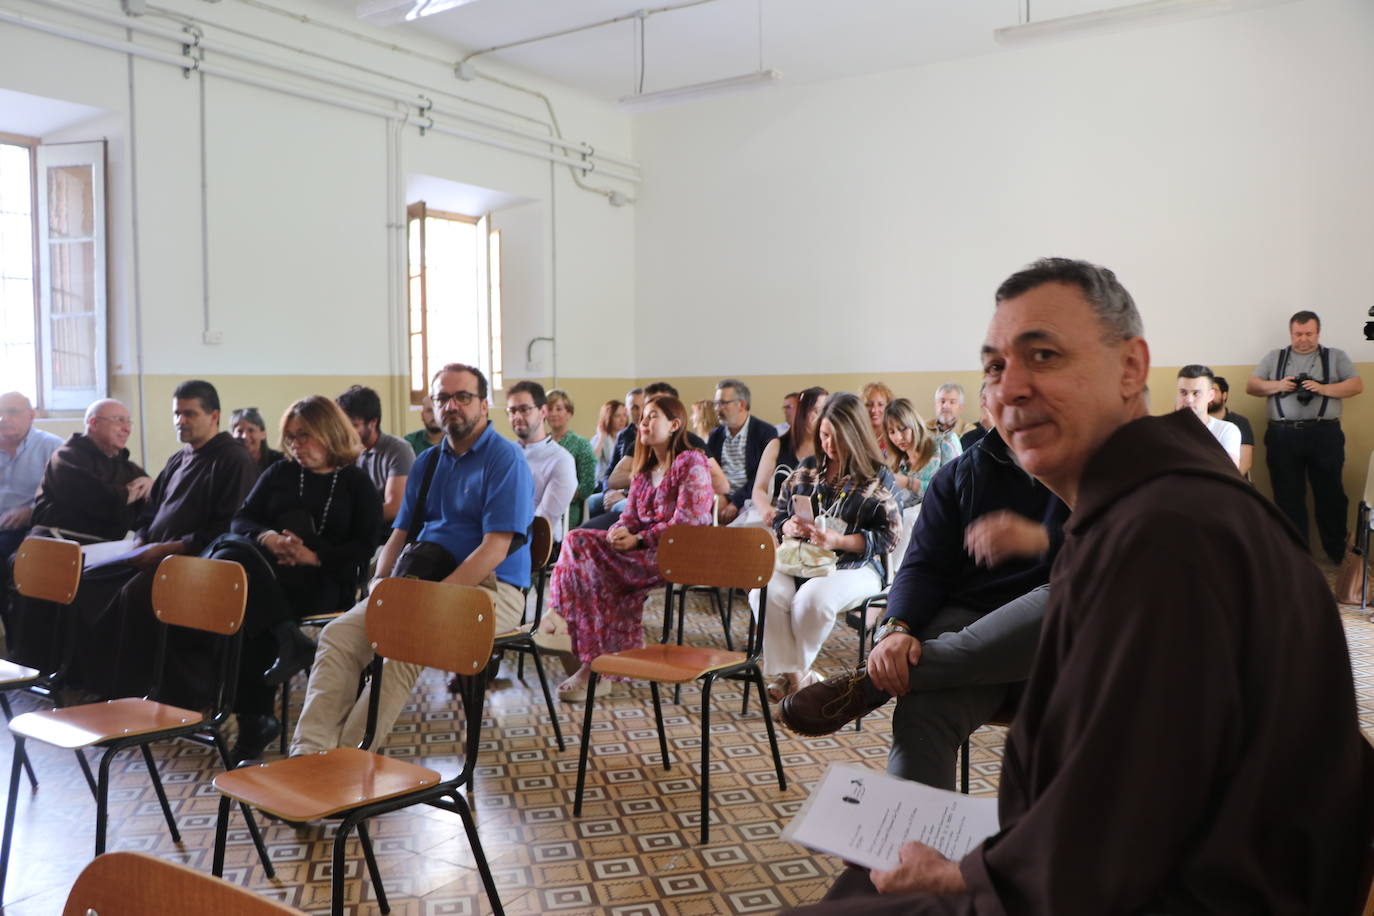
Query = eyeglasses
x=302 y=436
x=463 y=398
x=118 y=421
x=521 y=409
x=723 y=403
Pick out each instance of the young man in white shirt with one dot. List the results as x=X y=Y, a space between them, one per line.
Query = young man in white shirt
x=553 y=468
x=1195 y=394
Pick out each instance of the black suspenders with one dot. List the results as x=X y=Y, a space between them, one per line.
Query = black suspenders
x=1326 y=374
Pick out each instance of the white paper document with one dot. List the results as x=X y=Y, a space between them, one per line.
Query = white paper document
x=864 y=816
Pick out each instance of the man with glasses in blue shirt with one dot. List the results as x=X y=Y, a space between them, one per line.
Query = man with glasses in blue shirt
x=477 y=509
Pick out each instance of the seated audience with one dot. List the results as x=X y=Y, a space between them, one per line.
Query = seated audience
x=876 y=396
x=555 y=474
x=1220 y=410
x=190 y=504
x=1195 y=396
x=429 y=432
x=848 y=489
x=246 y=425
x=609 y=422
x=704 y=420
x=91 y=491
x=789 y=409
x=624 y=444
x=737 y=443
x=948 y=422
x=385 y=458
x=782 y=456
x=470 y=529
x=601 y=578
x=24 y=453
x=559 y=417
x=916 y=453
x=305 y=534
x=980 y=429
x=1242 y=732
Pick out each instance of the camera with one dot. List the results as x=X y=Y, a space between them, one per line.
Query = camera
x=1369 y=326
x=1304 y=396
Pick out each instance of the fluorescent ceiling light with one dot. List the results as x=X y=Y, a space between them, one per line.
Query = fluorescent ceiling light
x=663 y=97
x=390 y=12
x=1104 y=19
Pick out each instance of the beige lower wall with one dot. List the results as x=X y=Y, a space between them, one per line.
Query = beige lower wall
x=273 y=394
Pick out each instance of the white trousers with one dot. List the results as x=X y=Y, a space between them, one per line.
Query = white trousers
x=334 y=715
x=801 y=617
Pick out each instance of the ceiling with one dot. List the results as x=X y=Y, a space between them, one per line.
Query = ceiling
x=806 y=40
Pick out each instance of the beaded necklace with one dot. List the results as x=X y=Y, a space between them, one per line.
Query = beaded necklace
x=329 y=500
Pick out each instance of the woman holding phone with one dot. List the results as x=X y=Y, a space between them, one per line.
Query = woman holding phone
x=840 y=499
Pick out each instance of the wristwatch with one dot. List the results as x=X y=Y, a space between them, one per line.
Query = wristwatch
x=889 y=626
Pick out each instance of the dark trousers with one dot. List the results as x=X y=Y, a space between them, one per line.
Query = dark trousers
x=1312 y=454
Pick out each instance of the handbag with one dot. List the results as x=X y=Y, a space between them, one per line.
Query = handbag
x=423 y=559
x=1349 y=586
x=803 y=559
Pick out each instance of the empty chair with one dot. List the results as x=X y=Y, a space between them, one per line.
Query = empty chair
x=137 y=884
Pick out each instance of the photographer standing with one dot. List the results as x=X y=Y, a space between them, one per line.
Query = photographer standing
x=1305 y=384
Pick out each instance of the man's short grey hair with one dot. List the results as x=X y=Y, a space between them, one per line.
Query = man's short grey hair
x=741 y=390
x=950 y=386
x=1114 y=306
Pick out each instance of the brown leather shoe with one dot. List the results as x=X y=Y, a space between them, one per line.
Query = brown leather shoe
x=826 y=707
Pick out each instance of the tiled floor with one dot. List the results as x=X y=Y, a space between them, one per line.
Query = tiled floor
x=634 y=851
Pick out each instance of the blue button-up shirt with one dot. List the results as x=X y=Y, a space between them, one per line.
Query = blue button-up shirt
x=489 y=488
x=21 y=472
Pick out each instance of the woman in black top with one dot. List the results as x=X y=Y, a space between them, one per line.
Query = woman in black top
x=245 y=425
x=311 y=521
x=781 y=456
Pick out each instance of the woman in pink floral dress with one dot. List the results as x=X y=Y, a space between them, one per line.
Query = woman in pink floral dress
x=602 y=577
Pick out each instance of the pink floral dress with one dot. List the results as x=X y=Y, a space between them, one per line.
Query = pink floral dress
x=600 y=591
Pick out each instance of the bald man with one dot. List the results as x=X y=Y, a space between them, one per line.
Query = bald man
x=24 y=452
x=91 y=491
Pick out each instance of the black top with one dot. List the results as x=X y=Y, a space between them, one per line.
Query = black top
x=757 y=438
x=267 y=457
x=288 y=498
x=969 y=439
x=196 y=494
x=1247 y=435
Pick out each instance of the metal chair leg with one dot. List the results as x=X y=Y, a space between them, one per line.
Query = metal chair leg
x=246 y=811
x=161 y=794
x=548 y=697
x=86 y=771
x=366 y=842
x=24 y=756
x=772 y=731
x=681 y=616
x=658 y=718
x=285 y=717
x=336 y=891
x=706 y=683
x=15 y=766
x=480 y=855
x=964 y=766
x=586 y=740
x=102 y=800
x=221 y=836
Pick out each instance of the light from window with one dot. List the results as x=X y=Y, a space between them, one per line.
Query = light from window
x=18 y=365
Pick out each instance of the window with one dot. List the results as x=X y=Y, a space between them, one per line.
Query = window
x=52 y=272
x=454 y=295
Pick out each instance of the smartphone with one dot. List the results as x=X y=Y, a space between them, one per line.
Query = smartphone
x=801 y=508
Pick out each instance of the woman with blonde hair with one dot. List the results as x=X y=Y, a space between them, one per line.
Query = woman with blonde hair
x=602 y=577
x=306 y=529
x=876 y=396
x=839 y=500
x=916 y=452
x=614 y=417
x=703 y=418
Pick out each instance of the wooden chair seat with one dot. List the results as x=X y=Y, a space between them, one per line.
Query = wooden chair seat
x=135 y=882
x=12 y=674
x=667 y=664
x=317 y=786
x=83 y=726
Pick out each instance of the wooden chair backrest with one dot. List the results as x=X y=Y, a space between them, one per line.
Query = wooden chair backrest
x=200 y=593
x=449 y=627
x=541 y=543
x=48 y=569
x=716 y=557
x=129 y=883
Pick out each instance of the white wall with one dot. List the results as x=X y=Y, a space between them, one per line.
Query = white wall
x=1221 y=166
x=298 y=217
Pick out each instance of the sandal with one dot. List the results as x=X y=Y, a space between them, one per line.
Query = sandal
x=782 y=685
x=575 y=691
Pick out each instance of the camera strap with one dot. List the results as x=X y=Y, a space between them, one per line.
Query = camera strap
x=1326 y=375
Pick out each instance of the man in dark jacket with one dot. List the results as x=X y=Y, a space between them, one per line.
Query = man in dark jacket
x=91 y=491
x=737 y=443
x=1188 y=740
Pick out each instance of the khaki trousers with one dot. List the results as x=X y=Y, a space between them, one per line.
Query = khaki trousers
x=334 y=714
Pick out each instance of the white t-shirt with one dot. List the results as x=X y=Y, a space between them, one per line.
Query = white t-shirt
x=1228 y=434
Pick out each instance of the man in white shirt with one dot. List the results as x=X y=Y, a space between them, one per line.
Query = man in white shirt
x=1195 y=394
x=553 y=468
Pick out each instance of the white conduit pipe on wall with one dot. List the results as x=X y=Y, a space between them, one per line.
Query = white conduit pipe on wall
x=116 y=19
x=189 y=63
